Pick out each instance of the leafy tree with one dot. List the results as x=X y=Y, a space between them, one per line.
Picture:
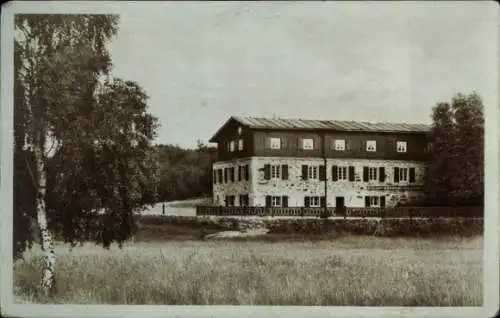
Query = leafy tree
x=455 y=172
x=84 y=138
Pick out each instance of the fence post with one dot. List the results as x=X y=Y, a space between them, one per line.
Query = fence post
x=411 y=221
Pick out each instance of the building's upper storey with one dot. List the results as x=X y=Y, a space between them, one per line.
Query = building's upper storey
x=249 y=136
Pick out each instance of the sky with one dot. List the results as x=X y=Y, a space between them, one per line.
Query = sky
x=201 y=63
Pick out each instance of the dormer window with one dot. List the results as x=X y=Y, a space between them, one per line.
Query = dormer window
x=231 y=146
x=240 y=144
x=307 y=143
x=371 y=145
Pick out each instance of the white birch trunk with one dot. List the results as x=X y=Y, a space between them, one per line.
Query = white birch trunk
x=47 y=283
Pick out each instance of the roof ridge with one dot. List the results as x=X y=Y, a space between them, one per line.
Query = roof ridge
x=330 y=120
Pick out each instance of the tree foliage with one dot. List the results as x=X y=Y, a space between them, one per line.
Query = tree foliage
x=185 y=173
x=94 y=131
x=455 y=173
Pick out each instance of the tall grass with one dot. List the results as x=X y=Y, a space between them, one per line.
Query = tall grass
x=412 y=273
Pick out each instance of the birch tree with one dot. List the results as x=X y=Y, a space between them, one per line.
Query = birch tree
x=69 y=117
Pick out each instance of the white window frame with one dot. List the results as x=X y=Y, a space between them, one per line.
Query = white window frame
x=371 y=145
x=275 y=142
x=275 y=171
x=276 y=201
x=240 y=144
x=307 y=143
x=403 y=174
x=372 y=174
x=231 y=146
x=401 y=146
x=374 y=202
x=314 y=202
x=312 y=172
x=339 y=144
x=341 y=173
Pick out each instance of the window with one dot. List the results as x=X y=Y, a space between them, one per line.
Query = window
x=371 y=145
x=275 y=171
x=276 y=201
x=429 y=146
x=339 y=144
x=403 y=174
x=230 y=200
x=231 y=146
x=275 y=143
x=244 y=200
x=314 y=202
x=372 y=174
x=312 y=172
x=401 y=146
x=341 y=173
x=240 y=144
x=374 y=201
x=307 y=144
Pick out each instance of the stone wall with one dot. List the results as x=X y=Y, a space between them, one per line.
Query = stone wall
x=376 y=227
x=353 y=192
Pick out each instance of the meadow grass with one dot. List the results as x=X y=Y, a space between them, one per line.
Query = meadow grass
x=347 y=271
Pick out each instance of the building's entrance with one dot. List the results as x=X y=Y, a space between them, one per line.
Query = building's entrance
x=339 y=205
x=339 y=202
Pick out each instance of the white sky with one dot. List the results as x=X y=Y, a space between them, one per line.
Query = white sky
x=202 y=62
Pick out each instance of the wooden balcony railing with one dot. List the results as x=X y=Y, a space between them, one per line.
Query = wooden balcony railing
x=392 y=212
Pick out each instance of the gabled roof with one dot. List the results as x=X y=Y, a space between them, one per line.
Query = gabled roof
x=323 y=125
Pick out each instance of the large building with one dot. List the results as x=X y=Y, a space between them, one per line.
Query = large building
x=297 y=163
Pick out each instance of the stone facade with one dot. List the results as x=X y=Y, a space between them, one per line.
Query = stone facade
x=295 y=188
x=237 y=187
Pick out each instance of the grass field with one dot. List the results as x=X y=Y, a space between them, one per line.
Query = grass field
x=346 y=271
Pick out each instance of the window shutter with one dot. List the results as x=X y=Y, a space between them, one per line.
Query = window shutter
x=381 y=171
x=304 y=172
x=247 y=172
x=396 y=175
x=240 y=173
x=284 y=172
x=226 y=201
x=306 y=202
x=365 y=174
x=382 y=201
x=267 y=171
x=322 y=201
x=335 y=173
x=225 y=175
x=268 y=200
x=322 y=173
x=367 y=201
x=284 y=201
x=232 y=173
x=215 y=177
x=412 y=175
x=351 y=173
